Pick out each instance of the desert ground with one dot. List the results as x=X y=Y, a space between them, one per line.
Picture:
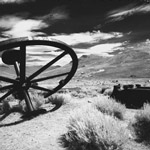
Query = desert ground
x=93 y=74
x=43 y=131
x=112 y=41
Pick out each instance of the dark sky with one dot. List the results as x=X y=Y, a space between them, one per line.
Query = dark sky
x=47 y=17
x=84 y=14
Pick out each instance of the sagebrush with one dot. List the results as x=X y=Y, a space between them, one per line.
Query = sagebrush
x=110 y=106
x=89 y=129
x=59 y=99
x=141 y=124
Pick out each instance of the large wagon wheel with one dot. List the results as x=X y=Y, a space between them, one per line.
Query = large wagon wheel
x=14 y=52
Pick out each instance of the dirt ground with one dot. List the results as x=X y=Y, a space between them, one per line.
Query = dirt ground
x=42 y=132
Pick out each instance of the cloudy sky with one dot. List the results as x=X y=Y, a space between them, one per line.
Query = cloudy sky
x=88 y=26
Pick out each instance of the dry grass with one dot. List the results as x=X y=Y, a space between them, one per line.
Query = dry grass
x=141 y=124
x=110 y=107
x=37 y=101
x=89 y=129
x=4 y=107
x=10 y=104
x=59 y=99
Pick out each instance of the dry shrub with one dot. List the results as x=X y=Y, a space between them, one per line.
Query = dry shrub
x=80 y=94
x=10 y=104
x=4 y=107
x=141 y=124
x=90 y=129
x=110 y=107
x=59 y=99
x=36 y=99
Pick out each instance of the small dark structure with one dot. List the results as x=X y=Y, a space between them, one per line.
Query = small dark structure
x=133 y=96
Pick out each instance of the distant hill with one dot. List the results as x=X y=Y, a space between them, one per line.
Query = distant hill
x=132 y=62
x=8 y=71
x=127 y=64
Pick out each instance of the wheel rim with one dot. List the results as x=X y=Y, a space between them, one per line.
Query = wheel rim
x=29 y=82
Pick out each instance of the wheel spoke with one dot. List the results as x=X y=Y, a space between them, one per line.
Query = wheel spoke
x=7 y=94
x=8 y=79
x=23 y=63
x=46 y=66
x=24 y=83
x=51 y=77
x=6 y=87
x=40 y=88
x=53 y=91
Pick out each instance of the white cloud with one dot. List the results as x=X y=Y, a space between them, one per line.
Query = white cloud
x=120 y=14
x=86 y=37
x=14 y=1
x=59 y=13
x=101 y=49
x=7 y=22
x=98 y=49
x=17 y=27
x=56 y=14
x=25 y=27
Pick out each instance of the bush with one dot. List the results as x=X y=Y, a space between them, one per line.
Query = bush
x=36 y=99
x=141 y=124
x=89 y=129
x=110 y=107
x=59 y=99
x=11 y=105
x=4 y=107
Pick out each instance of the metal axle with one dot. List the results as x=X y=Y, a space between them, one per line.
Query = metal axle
x=24 y=91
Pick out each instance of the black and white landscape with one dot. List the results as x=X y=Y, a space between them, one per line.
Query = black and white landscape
x=112 y=41
x=116 y=31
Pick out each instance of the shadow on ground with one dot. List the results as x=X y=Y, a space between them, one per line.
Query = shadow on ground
x=27 y=117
